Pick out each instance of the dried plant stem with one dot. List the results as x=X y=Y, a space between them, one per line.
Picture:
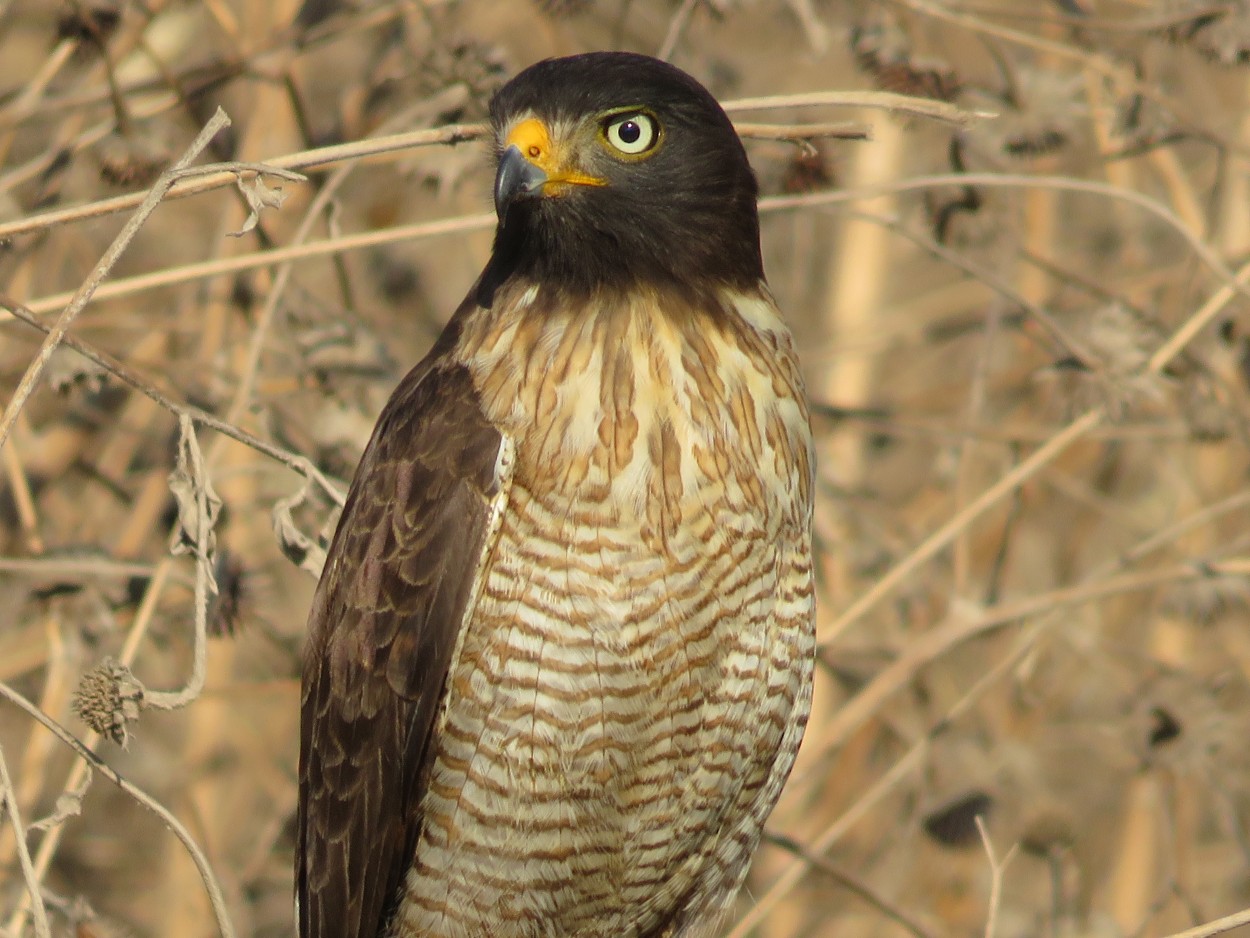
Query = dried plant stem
x=997 y=868
x=940 y=538
x=1131 y=879
x=676 y=26
x=1021 y=181
x=1119 y=72
x=293 y=461
x=23 y=497
x=1217 y=927
x=167 y=700
x=1235 y=283
x=74 y=566
x=930 y=108
x=78 y=773
x=215 y=179
x=28 y=101
x=1238 y=282
x=852 y=883
x=995 y=282
x=89 y=758
x=8 y=797
x=460 y=133
x=281 y=277
x=185 y=273
x=798 y=133
x=101 y=270
x=778 y=890
x=929 y=647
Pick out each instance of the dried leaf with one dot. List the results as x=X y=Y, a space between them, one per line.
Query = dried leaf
x=302 y=550
x=259 y=196
x=108 y=699
x=199 y=505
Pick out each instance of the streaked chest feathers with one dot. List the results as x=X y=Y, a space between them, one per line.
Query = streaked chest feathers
x=631 y=419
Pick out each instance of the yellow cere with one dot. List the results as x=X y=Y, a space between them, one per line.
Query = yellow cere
x=531 y=137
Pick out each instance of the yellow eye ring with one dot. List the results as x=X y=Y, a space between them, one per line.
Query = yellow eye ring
x=632 y=133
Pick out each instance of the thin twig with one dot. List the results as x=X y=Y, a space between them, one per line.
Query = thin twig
x=1021 y=181
x=95 y=762
x=998 y=284
x=1217 y=927
x=898 y=772
x=323 y=157
x=101 y=270
x=8 y=797
x=1117 y=70
x=1236 y=281
x=940 y=538
x=191 y=468
x=797 y=133
x=930 y=108
x=306 y=159
x=997 y=869
x=293 y=461
x=852 y=883
x=676 y=26
x=129 y=286
x=957 y=630
x=53 y=566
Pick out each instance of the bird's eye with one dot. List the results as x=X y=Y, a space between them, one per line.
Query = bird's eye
x=632 y=134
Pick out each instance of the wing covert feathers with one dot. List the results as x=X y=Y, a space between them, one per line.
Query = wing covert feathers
x=399 y=583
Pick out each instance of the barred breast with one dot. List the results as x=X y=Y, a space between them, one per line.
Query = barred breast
x=631 y=687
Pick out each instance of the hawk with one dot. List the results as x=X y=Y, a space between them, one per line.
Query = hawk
x=560 y=658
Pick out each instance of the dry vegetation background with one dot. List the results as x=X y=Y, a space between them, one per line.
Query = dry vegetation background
x=1026 y=337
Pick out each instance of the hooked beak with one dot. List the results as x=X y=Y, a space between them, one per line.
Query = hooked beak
x=516 y=178
x=534 y=165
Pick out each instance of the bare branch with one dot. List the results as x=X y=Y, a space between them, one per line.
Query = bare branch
x=84 y=293
x=225 y=928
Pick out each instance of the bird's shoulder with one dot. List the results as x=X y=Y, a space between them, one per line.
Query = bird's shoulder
x=387 y=617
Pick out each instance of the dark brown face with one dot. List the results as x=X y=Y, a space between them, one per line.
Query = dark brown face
x=618 y=169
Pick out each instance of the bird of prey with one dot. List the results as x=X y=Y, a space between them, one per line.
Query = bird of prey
x=560 y=658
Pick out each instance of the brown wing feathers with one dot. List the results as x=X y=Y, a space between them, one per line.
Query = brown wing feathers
x=398 y=579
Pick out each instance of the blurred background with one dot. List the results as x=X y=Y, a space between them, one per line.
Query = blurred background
x=1025 y=338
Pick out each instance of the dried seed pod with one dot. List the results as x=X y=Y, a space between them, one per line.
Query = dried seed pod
x=69 y=370
x=108 y=699
x=1207 y=598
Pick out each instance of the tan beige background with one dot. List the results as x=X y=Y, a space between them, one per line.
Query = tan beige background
x=1032 y=415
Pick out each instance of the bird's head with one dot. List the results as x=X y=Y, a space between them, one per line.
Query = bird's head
x=616 y=169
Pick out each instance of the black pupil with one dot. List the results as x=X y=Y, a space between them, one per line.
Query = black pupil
x=630 y=132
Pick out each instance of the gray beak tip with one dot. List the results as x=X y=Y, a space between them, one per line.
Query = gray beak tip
x=516 y=178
